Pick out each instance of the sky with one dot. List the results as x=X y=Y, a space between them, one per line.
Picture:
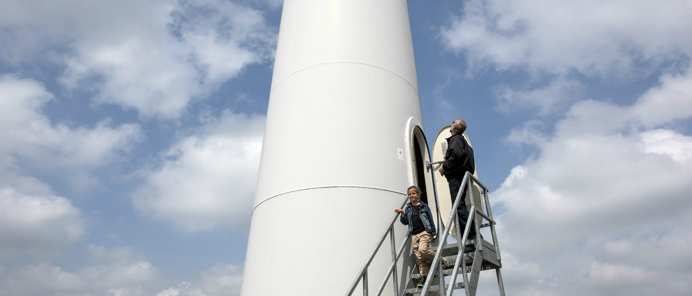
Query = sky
x=131 y=133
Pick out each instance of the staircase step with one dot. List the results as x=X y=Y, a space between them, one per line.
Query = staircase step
x=453 y=248
x=489 y=260
x=445 y=272
x=489 y=252
x=468 y=258
x=435 y=288
x=452 y=258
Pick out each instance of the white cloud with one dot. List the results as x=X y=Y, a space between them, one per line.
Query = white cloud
x=669 y=101
x=669 y=251
x=666 y=142
x=120 y=254
x=34 y=225
x=566 y=45
x=604 y=208
x=153 y=56
x=221 y=280
x=31 y=141
x=619 y=275
x=47 y=279
x=528 y=134
x=593 y=37
x=555 y=96
x=207 y=180
x=126 y=277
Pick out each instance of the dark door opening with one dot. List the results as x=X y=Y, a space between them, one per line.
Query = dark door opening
x=420 y=169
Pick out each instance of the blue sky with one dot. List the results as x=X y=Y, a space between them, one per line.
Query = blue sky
x=130 y=135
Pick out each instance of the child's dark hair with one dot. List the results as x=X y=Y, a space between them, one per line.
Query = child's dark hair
x=415 y=188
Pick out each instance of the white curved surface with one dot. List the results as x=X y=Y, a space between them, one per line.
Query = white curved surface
x=343 y=92
x=333 y=118
x=375 y=33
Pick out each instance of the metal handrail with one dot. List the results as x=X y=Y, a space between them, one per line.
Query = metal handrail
x=363 y=274
x=453 y=220
x=462 y=243
x=392 y=268
x=483 y=215
x=465 y=185
x=443 y=240
x=429 y=166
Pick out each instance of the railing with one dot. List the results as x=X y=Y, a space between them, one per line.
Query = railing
x=461 y=239
x=444 y=232
x=431 y=168
x=363 y=275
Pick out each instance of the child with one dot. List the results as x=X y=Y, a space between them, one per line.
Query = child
x=419 y=219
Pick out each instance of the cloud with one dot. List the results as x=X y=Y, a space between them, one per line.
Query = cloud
x=207 y=180
x=668 y=102
x=635 y=264
x=35 y=225
x=155 y=56
x=595 y=38
x=565 y=46
x=667 y=142
x=47 y=279
x=123 y=275
x=529 y=134
x=120 y=254
x=553 y=97
x=604 y=207
x=671 y=100
x=221 y=280
x=31 y=141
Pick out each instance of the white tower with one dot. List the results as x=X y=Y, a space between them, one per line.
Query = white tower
x=344 y=127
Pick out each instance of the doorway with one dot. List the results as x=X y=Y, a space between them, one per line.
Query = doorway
x=421 y=175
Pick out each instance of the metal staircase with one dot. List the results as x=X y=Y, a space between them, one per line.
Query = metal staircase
x=477 y=255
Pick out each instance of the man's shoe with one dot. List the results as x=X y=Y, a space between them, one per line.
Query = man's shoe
x=421 y=282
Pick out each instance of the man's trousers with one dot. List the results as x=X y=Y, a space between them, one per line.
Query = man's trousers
x=462 y=211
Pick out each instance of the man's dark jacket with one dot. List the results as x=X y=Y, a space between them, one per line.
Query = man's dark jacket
x=459 y=157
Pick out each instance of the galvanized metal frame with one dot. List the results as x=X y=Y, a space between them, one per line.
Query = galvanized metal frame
x=429 y=167
x=466 y=184
x=395 y=255
x=363 y=274
x=437 y=262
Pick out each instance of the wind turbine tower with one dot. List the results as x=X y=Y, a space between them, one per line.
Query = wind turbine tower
x=343 y=140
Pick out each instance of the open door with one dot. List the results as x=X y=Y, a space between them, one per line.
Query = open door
x=423 y=177
x=441 y=184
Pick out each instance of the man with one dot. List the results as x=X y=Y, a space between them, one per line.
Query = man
x=419 y=219
x=459 y=160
